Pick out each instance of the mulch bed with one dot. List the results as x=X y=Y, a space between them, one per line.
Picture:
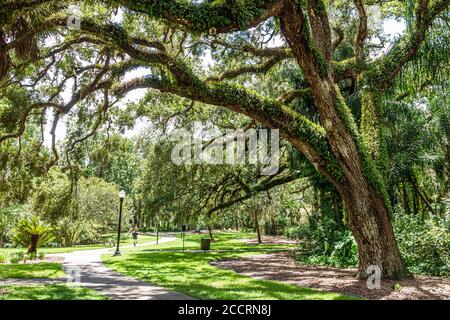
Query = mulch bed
x=282 y=267
x=270 y=240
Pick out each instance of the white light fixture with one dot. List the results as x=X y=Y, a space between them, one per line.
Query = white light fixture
x=122 y=194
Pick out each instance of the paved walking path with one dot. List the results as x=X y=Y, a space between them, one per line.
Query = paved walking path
x=93 y=274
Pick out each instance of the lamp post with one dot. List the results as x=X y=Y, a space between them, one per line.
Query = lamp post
x=157 y=231
x=183 y=230
x=121 y=197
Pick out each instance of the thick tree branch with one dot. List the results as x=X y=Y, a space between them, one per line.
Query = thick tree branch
x=385 y=69
x=289 y=96
x=362 y=30
x=301 y=132
x=23 y=119
x=257 y=69
x=339 y=39
x=208 y=16
x=251 y=191
x=249 y=48
x=304 y=134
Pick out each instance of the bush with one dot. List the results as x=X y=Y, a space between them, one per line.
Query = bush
x=424 y=245
x=16 y=257
x=3 y=257
x=324 y=242
x=52 y=245
x=28 y=256
x=345 y=252
x=32 y=233
x=69 y=232
x=82 y=219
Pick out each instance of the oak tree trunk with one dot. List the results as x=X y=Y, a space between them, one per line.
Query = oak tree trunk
x=370 y=224
x=308 y=35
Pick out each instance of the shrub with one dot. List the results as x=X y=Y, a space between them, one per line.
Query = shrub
x=52 y=245
x=29 y=256
x=16 y=257
x=324 y=242
x=8 y=217
x=31 y=232
x=345 y=251
x=424 y=245
x=3 y=257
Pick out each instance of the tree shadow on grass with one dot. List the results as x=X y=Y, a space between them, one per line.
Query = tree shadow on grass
x=47 y=292
x=32 y=270
x=191 y=274
x=281 y=267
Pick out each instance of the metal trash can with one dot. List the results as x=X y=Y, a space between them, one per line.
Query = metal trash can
x=205 y=243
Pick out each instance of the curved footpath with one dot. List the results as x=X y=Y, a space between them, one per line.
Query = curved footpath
x=95 y=275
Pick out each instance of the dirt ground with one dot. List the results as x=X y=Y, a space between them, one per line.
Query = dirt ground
x=282 y=267
x=270 y=240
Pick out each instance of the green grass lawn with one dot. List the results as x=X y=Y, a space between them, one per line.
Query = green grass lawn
x=48 y=269
x=191 y=273
x=41 y=292
x=48 y=292
x=125 y=240
x=223 y=241
x=32 y=270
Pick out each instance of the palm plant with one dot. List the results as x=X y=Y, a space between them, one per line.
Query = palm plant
x=32 y=233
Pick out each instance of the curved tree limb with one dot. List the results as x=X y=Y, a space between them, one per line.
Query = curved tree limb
x=362 y=30
x=212 y=17
x=23 y=119
x=251 y=191
x=385 y=69
x=257 y=69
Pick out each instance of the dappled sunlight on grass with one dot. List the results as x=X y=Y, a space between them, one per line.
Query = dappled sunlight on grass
x=47 y=292
x=32 y=270
x=223 y=241
x=125 y=241
x=191 y=273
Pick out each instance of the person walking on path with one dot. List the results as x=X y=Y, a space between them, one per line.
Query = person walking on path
x=134 y=234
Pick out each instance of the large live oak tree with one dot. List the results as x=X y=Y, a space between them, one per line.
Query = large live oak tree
x=351 y=157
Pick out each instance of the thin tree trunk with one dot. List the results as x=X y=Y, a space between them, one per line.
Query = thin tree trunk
x=416 y=187
x=258 y=232
x=273 y=226
x=339 y=211
x=405 y=199
x=416 y=203
x=210 y=233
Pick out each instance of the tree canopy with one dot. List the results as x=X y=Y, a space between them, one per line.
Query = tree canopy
x=325 y=73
